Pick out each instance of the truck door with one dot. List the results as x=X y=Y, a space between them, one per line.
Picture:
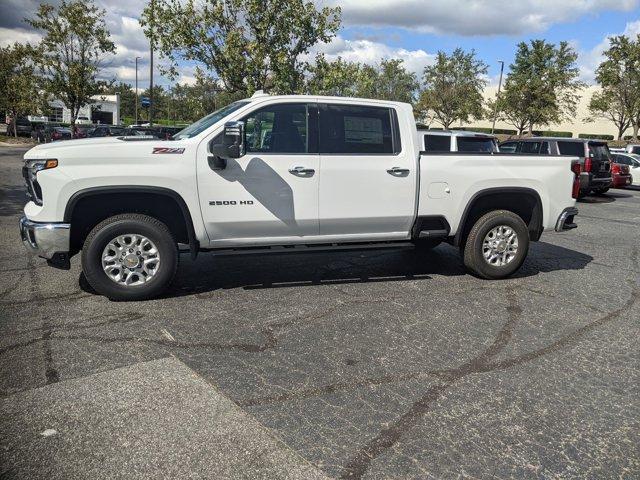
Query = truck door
x=367 y=173
x=271 y=193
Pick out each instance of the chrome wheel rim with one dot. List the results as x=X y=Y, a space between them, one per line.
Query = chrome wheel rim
x=500 y=246
x=130 y=259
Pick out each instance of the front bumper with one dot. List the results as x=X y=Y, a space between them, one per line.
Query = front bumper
x=565 y=220
x=47 y=240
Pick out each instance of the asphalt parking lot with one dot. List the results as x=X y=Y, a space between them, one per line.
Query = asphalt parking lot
x=370 y=364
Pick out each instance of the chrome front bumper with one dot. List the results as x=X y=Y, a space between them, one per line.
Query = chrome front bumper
x=565 y=220
x=47 y=240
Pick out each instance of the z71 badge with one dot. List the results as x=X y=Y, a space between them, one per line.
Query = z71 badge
x=178 y=151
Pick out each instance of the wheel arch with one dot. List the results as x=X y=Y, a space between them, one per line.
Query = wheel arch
x=178 y=214
x=503 y=198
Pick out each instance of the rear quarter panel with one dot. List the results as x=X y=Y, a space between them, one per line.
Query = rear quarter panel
x=449 y=182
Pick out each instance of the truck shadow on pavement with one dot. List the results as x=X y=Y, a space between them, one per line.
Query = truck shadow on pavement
x=258 y=271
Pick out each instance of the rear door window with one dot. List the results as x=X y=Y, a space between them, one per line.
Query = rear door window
x=437 y=143
x=355 y=129
x=574 y=149
x=622 y=159
x=476 y=144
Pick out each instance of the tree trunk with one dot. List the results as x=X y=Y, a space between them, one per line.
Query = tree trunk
x=636 y=125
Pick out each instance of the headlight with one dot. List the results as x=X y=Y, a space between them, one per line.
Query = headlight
x=36 y=165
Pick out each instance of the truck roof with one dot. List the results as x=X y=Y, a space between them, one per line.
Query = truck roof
x=258 y=95
x=457 y=133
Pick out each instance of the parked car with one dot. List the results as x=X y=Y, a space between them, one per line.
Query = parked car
x=108 y=131
x=212 y=189
x=48 y=132
x=83 y=121
x=631 y=148
x=23 y=127
x=457 y=141
x=81 y=131
x=60 y=133
x=631 y=160
x=594 y=157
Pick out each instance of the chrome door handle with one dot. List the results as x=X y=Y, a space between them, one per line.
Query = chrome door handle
x=301 y=171
x=398 y=171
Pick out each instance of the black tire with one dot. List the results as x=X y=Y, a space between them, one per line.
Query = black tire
x=473 y=255
x=424 y=244
x=124 y=224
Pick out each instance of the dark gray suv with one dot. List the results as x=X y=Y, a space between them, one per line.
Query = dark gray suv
x=594 y=155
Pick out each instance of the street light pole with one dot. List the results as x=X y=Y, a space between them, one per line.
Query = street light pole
x=495 y=110
x=137 y=58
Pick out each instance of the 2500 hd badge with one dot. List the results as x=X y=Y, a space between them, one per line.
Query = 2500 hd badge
x=231 y=202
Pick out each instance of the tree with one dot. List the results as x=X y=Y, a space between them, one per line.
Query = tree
x=19 y=95
x=542 y=86
x=249 y=44
x=606 y=104
x=388 y=80
x=452 y=88
x=70 y=55
x=619 y=77
x=337 y=78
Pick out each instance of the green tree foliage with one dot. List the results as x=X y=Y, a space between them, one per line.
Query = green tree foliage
x=542 y=87
x=336 y=78
x=452 y=88
x=619 y=77
x=606 y=104
x=19 y=95
x=388 y=80
x=249 y=44
x=75 y=42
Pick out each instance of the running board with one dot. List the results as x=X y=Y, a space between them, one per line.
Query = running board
x=309 y=248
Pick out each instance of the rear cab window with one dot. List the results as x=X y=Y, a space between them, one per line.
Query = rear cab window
x=437 y=143
x=476 y=144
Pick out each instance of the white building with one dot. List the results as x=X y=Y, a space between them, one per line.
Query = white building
x=577 y=125
x=104 y=109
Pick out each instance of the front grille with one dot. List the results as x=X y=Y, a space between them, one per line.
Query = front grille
x=34 y=192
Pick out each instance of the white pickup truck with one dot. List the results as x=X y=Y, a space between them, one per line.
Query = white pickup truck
x=283 y=173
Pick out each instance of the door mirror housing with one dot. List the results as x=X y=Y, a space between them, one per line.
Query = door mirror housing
x=232 y=145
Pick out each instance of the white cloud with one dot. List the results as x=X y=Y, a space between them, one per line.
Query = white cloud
x=8 y=36
x=472 y=17
x=589 y=60
x=371 y=52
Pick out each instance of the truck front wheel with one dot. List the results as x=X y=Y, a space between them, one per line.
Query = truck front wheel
x=130 y=257
x=496 y=245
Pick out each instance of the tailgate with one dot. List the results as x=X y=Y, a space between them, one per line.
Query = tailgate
x=600 y=159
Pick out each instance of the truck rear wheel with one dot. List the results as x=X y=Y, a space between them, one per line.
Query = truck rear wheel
x=130 y=257
x=496 y=245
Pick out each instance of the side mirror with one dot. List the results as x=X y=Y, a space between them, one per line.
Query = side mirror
x=232 y=145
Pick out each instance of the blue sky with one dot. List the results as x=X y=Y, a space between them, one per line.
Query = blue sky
x=412 y=30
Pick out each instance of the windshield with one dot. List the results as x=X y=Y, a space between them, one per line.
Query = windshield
x=205 y=122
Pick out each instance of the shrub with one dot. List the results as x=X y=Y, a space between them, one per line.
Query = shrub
x=552 y=133
x=595 y=136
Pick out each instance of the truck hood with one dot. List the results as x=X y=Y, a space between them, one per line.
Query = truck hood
x=53 y=149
